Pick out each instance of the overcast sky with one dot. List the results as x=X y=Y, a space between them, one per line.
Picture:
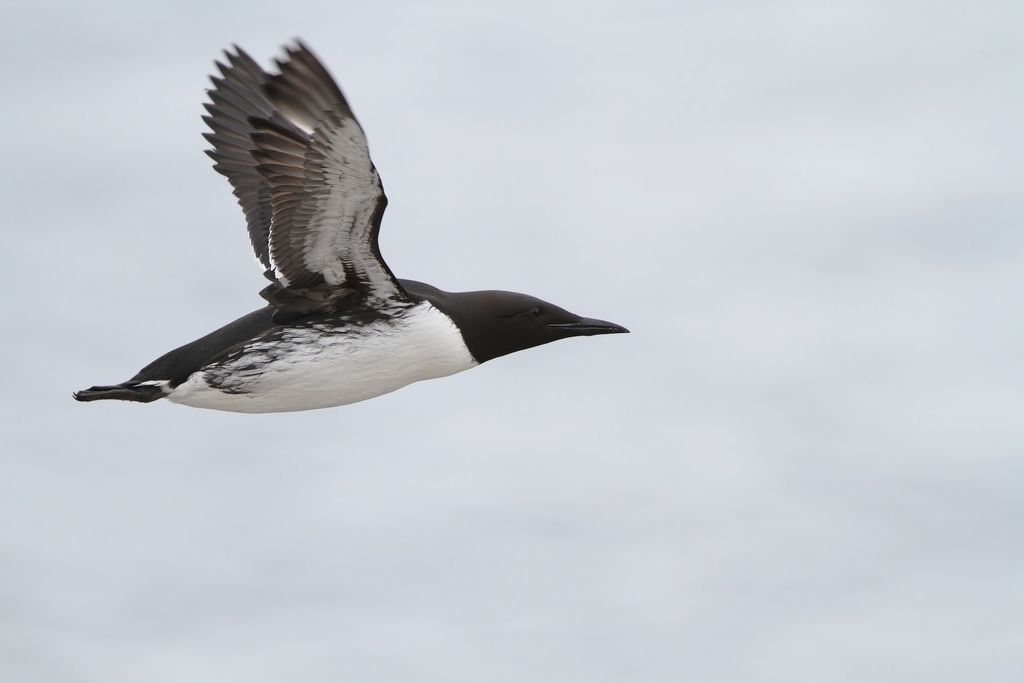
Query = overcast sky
x=804 y=465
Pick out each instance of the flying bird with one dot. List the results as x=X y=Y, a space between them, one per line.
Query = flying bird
x=339 y=327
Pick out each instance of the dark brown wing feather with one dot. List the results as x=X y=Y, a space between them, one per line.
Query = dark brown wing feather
x=238 y=95
x=298 y=160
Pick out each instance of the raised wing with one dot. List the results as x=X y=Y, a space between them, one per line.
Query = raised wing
x=299 y=162
x=238 y=95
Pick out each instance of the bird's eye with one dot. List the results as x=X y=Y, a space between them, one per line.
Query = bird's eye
x=535 y=312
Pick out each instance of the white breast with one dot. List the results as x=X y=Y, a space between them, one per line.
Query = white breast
x=320 y=367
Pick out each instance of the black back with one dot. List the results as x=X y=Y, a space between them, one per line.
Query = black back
x=178 y=364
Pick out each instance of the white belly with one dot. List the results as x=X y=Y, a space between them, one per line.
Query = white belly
x=309 y=368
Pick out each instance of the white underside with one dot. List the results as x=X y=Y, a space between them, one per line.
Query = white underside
x=312 y=368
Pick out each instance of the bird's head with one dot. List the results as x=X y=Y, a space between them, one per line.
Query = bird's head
x=496 y=323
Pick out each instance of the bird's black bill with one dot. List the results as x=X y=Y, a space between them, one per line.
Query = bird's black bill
x=586 y=327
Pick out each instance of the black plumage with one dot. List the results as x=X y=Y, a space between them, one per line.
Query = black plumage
x=300 y=167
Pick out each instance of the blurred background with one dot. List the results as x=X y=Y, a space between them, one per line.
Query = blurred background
x=805 y=464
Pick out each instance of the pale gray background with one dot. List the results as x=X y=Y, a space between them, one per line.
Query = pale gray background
x=805 y=464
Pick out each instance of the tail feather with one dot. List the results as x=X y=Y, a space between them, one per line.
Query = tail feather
x=143 y=393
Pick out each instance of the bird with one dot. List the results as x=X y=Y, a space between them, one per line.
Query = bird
x=338 y=327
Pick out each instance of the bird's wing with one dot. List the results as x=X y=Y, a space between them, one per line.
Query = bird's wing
x=295 y=153
x=237 y=96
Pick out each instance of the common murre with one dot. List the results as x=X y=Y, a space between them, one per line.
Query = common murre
x=339 y=327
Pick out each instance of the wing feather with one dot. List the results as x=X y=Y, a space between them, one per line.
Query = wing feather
x=300 y=167
x=326 y=195
x=236 y=97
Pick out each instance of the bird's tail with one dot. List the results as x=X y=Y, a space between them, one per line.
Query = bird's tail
x=143 y=392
